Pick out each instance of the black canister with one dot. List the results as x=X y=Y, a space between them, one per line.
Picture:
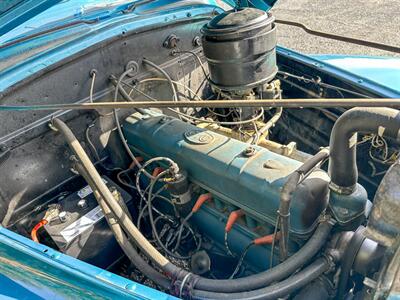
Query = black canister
x=240 y=48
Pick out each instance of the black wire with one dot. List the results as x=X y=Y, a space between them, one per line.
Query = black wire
x=151 y=218
x=320 y=83
x=96 y=153
x=199 y=61
x=241 y=259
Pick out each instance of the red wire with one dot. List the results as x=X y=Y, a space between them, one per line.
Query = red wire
x=36 y=228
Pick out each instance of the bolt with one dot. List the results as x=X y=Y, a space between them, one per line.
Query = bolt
x=163 y=120
x=93 y=72
x=63 y=216
x=82 y=204
x=249 y=151
x=196 y=41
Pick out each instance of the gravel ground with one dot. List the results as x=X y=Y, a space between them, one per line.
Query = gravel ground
x=374 y=20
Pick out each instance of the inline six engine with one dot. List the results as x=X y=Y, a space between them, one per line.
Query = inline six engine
x=213 y=202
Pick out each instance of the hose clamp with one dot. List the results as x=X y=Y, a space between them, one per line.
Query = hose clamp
x=342 y=190
x=184 y=288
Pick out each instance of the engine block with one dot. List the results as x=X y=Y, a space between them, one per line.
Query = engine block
x=243 y=176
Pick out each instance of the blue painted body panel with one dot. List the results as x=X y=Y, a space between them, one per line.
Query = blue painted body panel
x=110 y=21
x=382 y=70
x=344 y=74
x=81 y=37
x=39 y=272
x=22 y=12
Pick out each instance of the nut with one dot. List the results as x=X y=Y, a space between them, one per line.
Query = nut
x=249 y=151
x=63 y=216
x=82 y=204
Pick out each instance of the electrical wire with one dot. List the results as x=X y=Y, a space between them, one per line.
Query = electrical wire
x=322 y=84
x=36 y=229
x=184 y=221
x=92 y=87
x=89 y=141
x=122 y=137
x=94 y=150
x=119 y=129
x=189 y=117
x=228 y=250
x=166 y=75
x=241 y=259
x=271 y=258
x=150 y=213
x=175 y=82
x=145 y=207
x=206 y=75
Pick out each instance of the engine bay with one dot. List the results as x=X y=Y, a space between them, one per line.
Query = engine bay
x=208 y=203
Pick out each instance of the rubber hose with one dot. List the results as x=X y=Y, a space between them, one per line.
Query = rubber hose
x=287 y=193
x=279 y=272
x=118 y=212
x=319 y=289
x=280 y=289
x=343 y=142
x=122 y=239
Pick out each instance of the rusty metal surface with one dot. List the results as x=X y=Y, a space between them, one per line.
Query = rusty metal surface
x=384 y=221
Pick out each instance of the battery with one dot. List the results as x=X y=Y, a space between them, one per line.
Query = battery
x=81 y=229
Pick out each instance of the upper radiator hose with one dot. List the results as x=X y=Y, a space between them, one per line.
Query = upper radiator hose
x=343 y=142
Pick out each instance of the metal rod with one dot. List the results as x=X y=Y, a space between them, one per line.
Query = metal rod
x=284 y=103
x=341 y=38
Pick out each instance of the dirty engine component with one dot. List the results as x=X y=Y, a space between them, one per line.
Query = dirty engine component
x=239 y=46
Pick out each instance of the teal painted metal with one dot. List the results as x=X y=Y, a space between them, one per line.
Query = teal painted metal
x=385 y=91
x=212 y=224
x=218 y=164
x=110 y=21
x=349 y=210
x=21 y=15
x=7 y=5
x=382 y=70
x=23 y=11
x=40 y=272
x=260 y=4
x=79 y=38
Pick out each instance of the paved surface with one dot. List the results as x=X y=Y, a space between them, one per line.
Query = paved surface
x=375 y=20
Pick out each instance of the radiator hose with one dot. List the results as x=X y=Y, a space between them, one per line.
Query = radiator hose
x=287 y=192
x=201 y=286
x=277 y=290
x=343 y=142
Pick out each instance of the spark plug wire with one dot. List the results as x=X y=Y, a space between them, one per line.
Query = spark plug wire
x=200 y=201
x=233 y=217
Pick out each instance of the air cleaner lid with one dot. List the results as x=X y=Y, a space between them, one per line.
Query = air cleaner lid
x=234 y=21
